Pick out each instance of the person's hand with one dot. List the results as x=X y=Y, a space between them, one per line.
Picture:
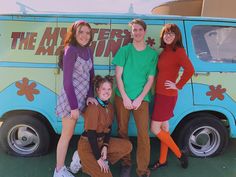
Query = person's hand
x=127 y=103
x=104 y=153
x=74 y=114
x=170 y=85
x=137 y=102
x=103 y=165
x=91 y=100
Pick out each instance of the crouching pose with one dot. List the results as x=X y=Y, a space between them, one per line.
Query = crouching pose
x=95 y=147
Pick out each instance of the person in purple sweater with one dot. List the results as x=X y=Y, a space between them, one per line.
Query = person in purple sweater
x=77 y=90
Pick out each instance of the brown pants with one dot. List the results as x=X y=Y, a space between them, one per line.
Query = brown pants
x=117 y=149
x=141 y=117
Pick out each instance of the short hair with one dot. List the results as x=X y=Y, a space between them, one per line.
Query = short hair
x=99 y=80
x=139 y=22
x=178 y=37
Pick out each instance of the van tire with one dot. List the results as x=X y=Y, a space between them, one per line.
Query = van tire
x=203 y=136
x=24 y=135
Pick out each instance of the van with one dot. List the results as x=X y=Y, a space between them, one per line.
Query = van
x=205 y=114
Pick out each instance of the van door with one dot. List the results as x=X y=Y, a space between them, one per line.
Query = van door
x=212 y=50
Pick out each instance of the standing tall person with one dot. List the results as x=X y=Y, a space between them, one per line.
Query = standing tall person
x=135 y=72
x=171 y=59
x=77 y=90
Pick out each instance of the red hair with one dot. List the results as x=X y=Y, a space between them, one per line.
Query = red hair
x=178 y=37
x=70 y=38
x=71 y=32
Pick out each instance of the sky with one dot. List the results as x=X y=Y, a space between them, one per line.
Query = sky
x=77 y=6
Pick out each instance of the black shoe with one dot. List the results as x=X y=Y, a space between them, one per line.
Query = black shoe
x=125 y=171
x=157 y=165
x=184 y=159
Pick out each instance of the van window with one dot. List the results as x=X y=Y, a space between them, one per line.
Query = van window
x=215 y=43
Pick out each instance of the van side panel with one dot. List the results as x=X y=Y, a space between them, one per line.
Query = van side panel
x=213 y=56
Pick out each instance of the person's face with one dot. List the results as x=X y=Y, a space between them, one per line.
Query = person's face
x=138 y=33
x=83 y=35
x=104 y=91
x=169 y=37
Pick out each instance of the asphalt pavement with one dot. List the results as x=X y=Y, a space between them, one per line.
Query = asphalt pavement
x=223 y=165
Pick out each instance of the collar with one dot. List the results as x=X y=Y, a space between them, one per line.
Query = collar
x=104 y=104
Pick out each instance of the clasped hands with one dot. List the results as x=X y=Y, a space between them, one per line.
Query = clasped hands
x=128 y=104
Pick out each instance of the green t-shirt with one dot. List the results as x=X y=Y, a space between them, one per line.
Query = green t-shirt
x=137 y=67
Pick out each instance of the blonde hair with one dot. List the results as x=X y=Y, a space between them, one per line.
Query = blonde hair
x=139 y=22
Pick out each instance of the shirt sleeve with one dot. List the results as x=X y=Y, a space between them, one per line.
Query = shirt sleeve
x=92 y=137
x=120 y=57
x=91 y=85
x=154 y=65
x=68 y=68
x=91 y=117
x=186 y=64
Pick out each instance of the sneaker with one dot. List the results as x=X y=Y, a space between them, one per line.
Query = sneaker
x=125 y=171
x=75 y=164
x=63 y=172
x=184 y=159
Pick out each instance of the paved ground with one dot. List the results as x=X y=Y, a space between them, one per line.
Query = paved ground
x=220 y=166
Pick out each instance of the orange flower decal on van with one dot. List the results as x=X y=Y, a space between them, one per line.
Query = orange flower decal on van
x=150 y=41
x=216 y=92
x=27 y=89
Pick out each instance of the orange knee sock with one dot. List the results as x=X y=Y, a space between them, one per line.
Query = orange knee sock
x=166 y=138
x=164 y=151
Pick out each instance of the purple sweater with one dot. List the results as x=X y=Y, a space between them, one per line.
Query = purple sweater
x=69 y=59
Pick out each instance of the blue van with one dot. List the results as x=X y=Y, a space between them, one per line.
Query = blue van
x=205 y=114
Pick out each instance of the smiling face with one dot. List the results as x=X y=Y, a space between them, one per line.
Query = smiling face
x=138 y=32
x=169 y=37
x=104 y=91
x=83 y=35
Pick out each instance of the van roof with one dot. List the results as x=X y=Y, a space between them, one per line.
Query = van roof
x=113 y=16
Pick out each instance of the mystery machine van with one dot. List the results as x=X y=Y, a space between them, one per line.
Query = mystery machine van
x=30 y=80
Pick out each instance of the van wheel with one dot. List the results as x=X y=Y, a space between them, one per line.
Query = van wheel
x=24 y=135
x=203 y=136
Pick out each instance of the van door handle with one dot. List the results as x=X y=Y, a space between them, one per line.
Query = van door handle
x=196 y=74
